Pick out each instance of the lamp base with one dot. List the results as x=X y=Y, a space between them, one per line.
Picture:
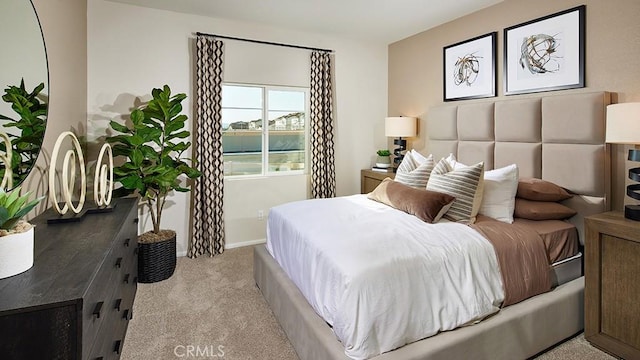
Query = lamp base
x=632 y=212
x=398 y=152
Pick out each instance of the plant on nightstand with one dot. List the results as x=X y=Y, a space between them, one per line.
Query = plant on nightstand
x=16 y=235
x=154 y=166
x=383 y=160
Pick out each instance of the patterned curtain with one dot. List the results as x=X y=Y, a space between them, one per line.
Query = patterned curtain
x=323 y=171
x=208 y=219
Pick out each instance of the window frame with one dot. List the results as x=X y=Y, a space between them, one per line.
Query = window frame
x=265 y=129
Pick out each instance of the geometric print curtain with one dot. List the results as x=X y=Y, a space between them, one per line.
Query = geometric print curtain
x=323 y=170
x=208 y=190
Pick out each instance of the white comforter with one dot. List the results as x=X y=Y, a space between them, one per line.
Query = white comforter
x=380 y=277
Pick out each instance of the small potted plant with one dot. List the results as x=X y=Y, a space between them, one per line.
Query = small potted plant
x=153 y=149
x=16 y=235
x=383 y=160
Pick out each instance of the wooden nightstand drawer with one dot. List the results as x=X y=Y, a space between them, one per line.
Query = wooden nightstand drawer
x=612 y=265
x=370 y=179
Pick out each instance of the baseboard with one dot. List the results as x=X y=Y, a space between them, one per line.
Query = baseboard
x=232 y=246
x=245 y=243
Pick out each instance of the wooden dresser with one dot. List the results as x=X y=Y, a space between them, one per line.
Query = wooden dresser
x=76 y=300
x=612 y=284
x=370 y=179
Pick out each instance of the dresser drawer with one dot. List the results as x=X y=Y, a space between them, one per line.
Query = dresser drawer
x=116 y=314
x=96 y=302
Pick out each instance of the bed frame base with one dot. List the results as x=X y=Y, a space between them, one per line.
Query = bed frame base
x=519 y=331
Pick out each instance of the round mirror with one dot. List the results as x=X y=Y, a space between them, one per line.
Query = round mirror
x=24 y=90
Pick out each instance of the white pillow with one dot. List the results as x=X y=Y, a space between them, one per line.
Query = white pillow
x=500 y=187
x=453 y=162
x=412 y=173
x=419 y=158
x=465 y=184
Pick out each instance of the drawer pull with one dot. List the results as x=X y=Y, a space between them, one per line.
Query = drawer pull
x=118 y=262
x=118 y=302
x=126 y=279
x=126 y=242
x=99 y=358
x=116 y=347
x=98 y=309
x=135 y=221
x=125 y=315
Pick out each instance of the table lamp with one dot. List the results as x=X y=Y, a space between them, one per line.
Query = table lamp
x=399 y=127
x=623 y=127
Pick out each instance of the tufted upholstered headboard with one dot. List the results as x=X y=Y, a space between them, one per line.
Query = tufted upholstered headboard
x=559 y=138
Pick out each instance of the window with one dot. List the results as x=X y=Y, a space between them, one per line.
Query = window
x=255 y=146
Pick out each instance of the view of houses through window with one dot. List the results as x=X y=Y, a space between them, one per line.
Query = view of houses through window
x=263 y=129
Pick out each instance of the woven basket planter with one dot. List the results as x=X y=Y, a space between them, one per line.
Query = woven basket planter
x=156 y=260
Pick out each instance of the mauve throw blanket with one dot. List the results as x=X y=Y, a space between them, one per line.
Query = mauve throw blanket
x=522 y=257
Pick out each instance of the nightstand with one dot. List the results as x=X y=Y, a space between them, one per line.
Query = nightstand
x=612 y=286
x=370 y=179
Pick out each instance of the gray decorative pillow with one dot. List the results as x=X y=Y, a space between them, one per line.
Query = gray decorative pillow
x=465 y=184
x=413 y=174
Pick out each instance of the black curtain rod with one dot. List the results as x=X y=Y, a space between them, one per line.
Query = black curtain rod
x=264 y=42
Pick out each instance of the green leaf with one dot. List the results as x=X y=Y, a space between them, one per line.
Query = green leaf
x=132 y=182
x=137 y=157
x=136 y=140
x=13 y=196
x=14 y=206
x=28 y=207
x=4 y=216
x=119 y=127
x=137 y=116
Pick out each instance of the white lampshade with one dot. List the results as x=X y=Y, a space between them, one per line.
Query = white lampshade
x=400 y=126
x=623 y=123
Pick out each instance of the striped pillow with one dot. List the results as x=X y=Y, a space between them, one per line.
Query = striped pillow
x=413 y=174
x=465 y=184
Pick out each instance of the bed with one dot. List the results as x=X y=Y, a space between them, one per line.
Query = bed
x=544 y=137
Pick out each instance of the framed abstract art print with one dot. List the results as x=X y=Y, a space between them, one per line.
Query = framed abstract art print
x=546 y=53
x=470 y=68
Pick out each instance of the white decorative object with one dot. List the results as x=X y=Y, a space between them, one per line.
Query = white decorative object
x=103 y=186
x=68 y=175
x=16 y=253
x=7 y=179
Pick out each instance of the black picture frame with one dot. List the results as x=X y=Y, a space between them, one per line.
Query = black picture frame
x=469 y=68
x=546 y=54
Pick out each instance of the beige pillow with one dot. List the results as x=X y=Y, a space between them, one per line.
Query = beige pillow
x=428 y=206
x=540 y=190
x=415 y=172
x=542 y=210
x=465 y=184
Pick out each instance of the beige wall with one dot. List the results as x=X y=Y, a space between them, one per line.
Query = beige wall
x=132 y=49
x=64 y=24
x=612 y=53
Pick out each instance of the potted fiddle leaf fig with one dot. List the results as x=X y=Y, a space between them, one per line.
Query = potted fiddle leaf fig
x=16 y=235
x=153 y=146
